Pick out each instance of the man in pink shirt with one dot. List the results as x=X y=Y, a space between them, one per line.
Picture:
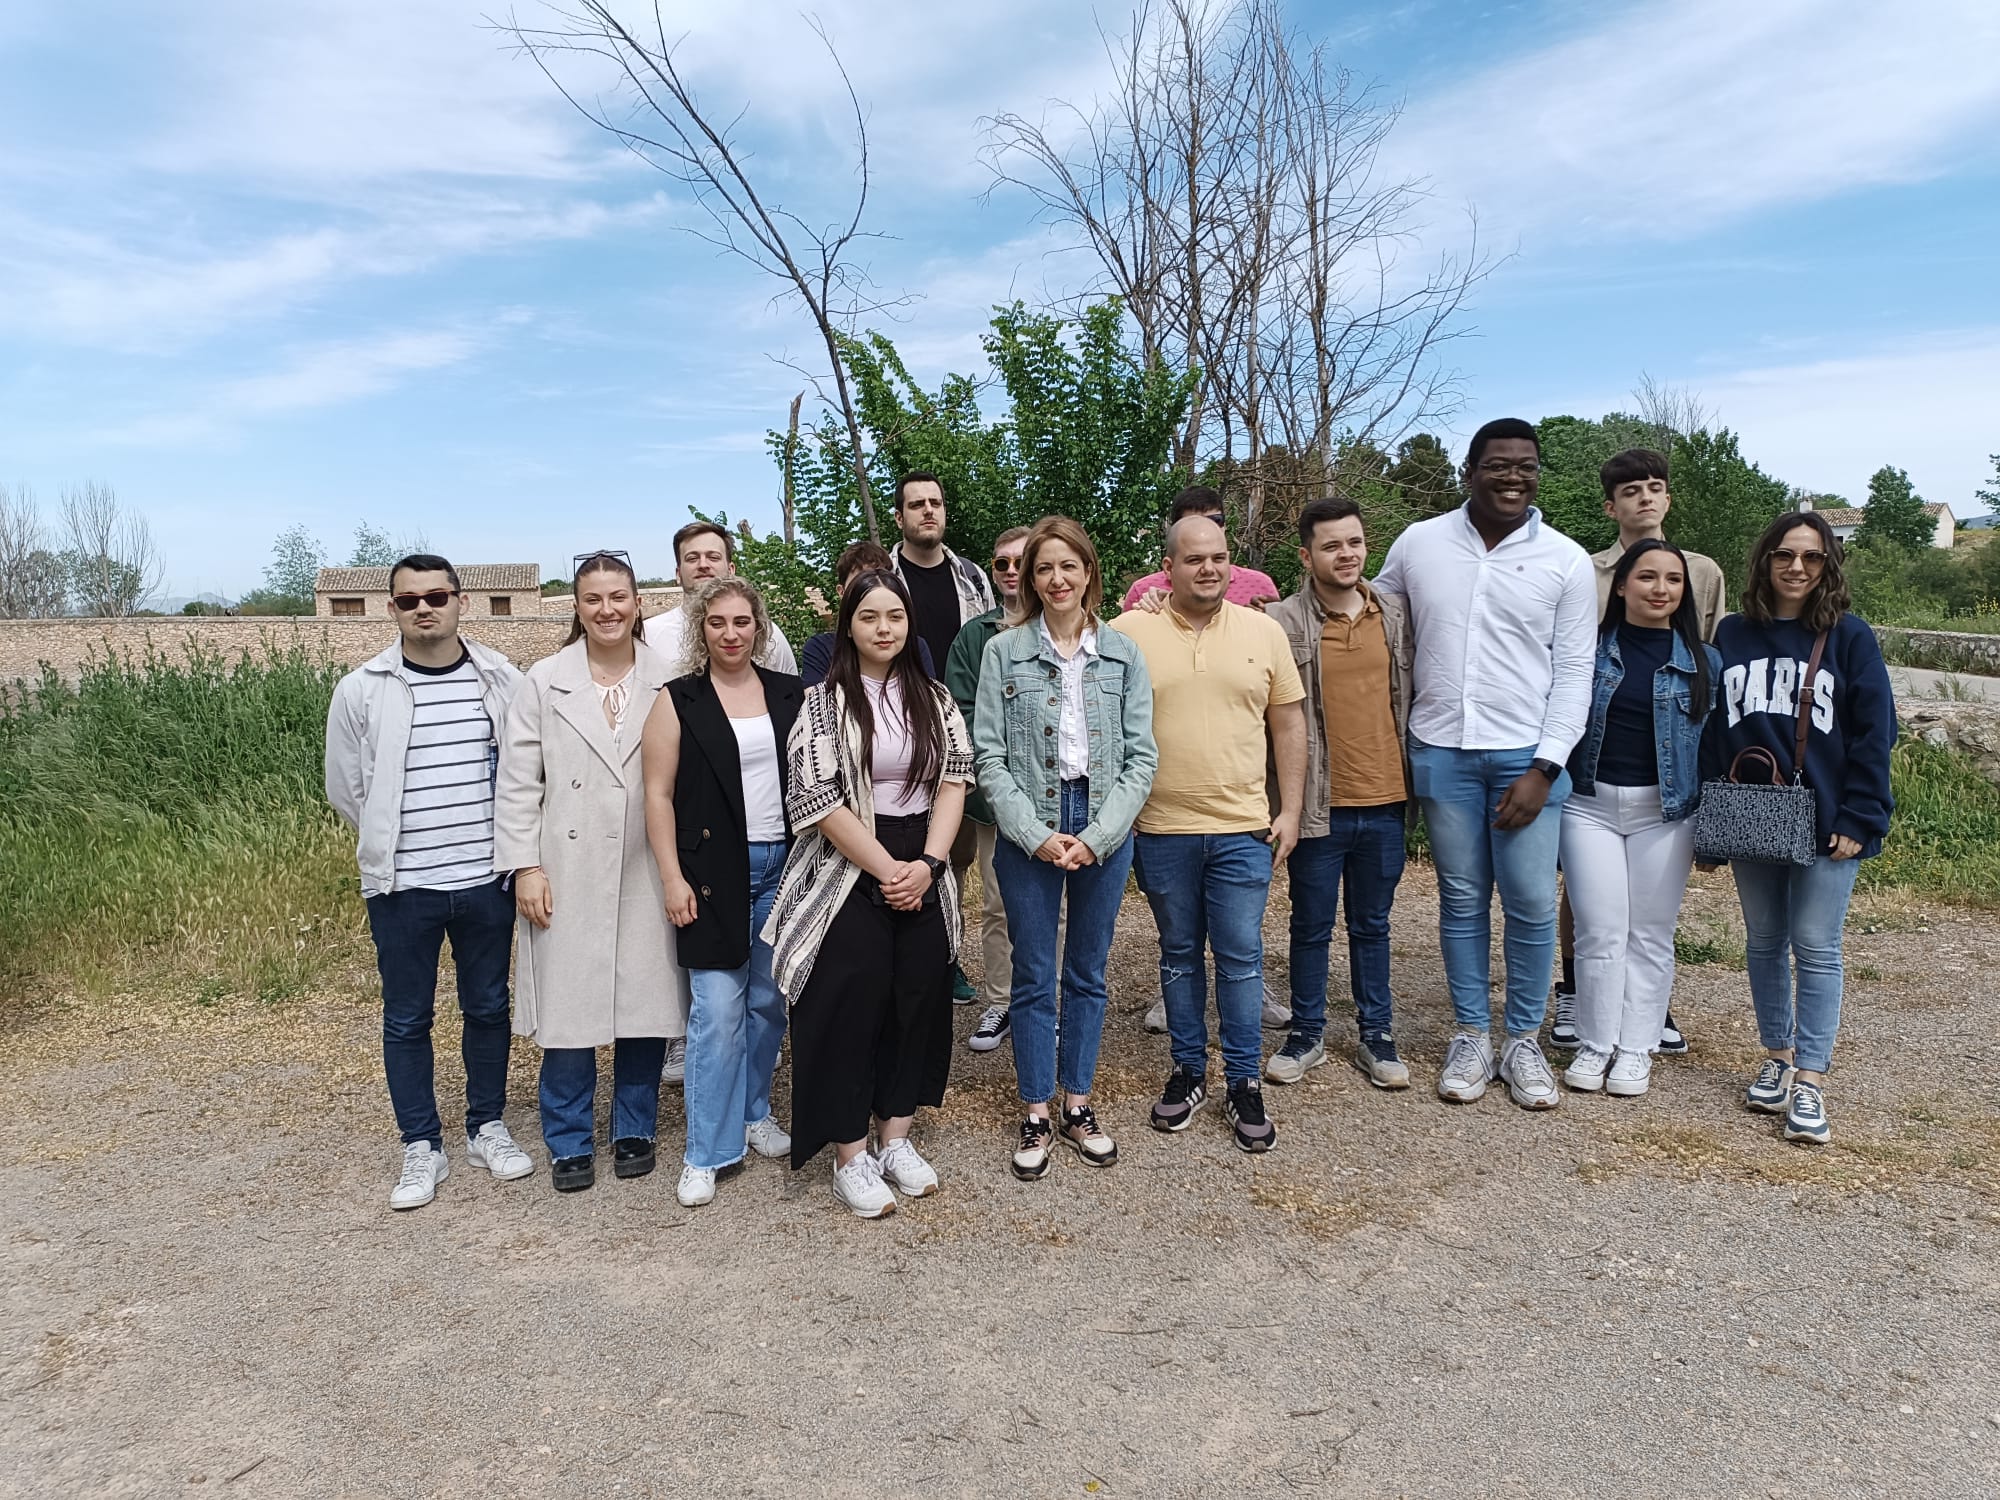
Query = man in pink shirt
x=1246 y=585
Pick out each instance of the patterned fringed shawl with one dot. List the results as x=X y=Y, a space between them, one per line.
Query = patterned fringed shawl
x=827 y=771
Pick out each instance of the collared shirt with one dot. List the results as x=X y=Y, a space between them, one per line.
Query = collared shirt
x=1364 y=753
x=1211 y=691
x=1073 y=729
x=1505 y=638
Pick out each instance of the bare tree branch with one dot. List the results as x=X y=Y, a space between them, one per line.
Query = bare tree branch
x=114 y=568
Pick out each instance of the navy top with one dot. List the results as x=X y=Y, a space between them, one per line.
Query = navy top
x=1628 y=756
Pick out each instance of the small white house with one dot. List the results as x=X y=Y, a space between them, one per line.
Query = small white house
x=1846 y=520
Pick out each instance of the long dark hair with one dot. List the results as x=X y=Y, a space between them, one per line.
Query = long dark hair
x=1686 y=621
x=921 y=709
x=605 y=562
x=1828 y=600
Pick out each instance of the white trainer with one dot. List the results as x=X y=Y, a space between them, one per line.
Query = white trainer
x=696 y=1187
x=1631 y=1074
x=1156 y=1018
x=859 y=1185
x=494 y=1149
x=908 y=1172
x=1277 y=1012
x=1586 y=1070
x=423 y=1169
x=1530 y=1083
x=675 y=1070
x=1468 y=1067
x=767 y=1138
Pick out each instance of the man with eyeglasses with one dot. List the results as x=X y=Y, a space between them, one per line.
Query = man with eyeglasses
x=411 y=748
x=1503 y=624
x=1247 y=586
x=703 y=550
x=961 y=676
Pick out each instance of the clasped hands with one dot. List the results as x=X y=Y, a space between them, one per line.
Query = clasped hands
x=1065 y=851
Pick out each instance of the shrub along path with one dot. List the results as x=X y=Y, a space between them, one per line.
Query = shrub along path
x=206 y=1294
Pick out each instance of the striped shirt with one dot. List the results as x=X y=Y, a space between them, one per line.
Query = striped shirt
x=446 y=839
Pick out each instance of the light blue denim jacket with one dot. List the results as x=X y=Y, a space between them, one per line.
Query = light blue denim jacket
x=1677 y=743
x=1014 y=737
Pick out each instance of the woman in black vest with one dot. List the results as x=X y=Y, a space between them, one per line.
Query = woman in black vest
x=714 y=753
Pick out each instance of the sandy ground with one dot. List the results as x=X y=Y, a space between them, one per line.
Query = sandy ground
x=206 y=1295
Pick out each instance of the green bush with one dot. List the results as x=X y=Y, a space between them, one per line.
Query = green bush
x=1944 y=839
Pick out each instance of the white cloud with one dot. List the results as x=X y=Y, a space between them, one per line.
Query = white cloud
x=1682 y=115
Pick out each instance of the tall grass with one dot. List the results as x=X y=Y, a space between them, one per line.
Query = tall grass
x=164 y=818
x=1944 y=838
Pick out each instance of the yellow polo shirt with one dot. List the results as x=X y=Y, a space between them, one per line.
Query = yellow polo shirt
x=1210 y=692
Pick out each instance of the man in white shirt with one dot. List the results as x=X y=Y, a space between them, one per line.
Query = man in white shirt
x=703 y=550
x=1503 y=621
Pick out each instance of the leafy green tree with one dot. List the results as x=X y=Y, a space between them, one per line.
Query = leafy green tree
x=372 y=548
x=1894 y=516
x=296 y=558
x=1992 y=496
x=1721 y=501
x=268 y=601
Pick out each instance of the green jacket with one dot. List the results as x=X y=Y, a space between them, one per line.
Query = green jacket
x=961 y=680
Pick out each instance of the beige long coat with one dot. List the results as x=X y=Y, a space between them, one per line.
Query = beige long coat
x=571 y=801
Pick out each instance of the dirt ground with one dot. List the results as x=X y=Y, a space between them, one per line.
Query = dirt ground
x=206 y=1294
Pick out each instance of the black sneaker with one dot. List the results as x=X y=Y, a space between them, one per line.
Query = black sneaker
x=992 y=1029
x=1186 y=1092
x=1031 y=1157
x=1246 y=1115
x=1672 y=1043
x=632 y=1156
x=1563 y=1034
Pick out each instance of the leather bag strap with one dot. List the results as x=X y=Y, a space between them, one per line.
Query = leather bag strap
x=1802 y=696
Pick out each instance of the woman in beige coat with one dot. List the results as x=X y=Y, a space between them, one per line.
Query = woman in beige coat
x=594 y=964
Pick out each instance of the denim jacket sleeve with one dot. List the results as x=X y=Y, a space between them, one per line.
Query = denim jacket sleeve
x=1128 y=793
x=1014 y=811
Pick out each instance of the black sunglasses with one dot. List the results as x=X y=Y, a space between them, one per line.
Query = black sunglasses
x=576 y=564
x=436 y=599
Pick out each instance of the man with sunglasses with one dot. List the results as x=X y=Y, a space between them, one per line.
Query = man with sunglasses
x=961 y=676
x=1503 y=626
x=411 y=747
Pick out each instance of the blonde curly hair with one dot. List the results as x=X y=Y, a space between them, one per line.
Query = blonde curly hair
x=694 y=615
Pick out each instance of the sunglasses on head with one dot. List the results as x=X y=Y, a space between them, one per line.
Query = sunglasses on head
x=436 y=599
x=602 y=553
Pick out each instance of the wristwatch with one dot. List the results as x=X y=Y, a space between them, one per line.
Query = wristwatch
x=1549 y=769
x=937 y=868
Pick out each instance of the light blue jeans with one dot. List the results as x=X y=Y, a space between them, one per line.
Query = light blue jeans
x=1209 y=890
x=736 y=1023
x=1460 y=791
x=1796 y=912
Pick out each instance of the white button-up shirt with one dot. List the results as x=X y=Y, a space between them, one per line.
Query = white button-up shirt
x=1505 y=640
x=1073 y=725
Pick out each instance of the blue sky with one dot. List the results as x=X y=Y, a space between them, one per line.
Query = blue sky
x=343 y=260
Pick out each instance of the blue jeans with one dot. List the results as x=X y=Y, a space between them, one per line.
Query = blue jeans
x=735 y=1027
x=1210 y=889
x=1796 y=912
x=409 y=928
x=1366 y=845
x=569 y=1088
x=1460 y=791
x=1033 y=891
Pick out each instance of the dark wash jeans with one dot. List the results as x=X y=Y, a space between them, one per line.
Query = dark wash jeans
x=409 y=928
x=1363 y=846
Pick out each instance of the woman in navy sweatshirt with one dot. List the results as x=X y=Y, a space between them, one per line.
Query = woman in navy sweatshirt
x=1793 y=914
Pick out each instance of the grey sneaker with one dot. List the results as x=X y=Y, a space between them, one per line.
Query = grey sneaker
x=1530 y=1084
x=1294 y=1060
x=1277 y=1012
x=1770 y=1092
x=1806 y=1119
x=1156 y=1018
x=1376 y=1057
x=676 y=1067
x=1468 y=1067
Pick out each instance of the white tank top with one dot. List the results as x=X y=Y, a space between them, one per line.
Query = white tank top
x=763 y=791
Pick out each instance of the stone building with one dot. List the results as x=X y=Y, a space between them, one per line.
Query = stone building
x=492 y=591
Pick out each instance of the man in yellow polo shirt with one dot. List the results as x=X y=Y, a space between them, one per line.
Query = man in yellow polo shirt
x=1223 y=679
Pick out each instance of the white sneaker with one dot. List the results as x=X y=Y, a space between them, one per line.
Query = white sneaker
x=859 y=1185
x=1631 y=1073
x=1468 y=1067
x=1277 y=1013
x=767 y=1138
x=910 y=1173
x=494 y=1149
x=1586 y=1070
x=696 y=1187
x=675 y=1070
x=1156 y=1018
x=423 y=1169
x=1530 y=1083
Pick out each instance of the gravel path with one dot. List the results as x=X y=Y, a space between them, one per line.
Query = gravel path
x=206 y=1296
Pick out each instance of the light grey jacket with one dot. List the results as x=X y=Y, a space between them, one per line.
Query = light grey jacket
x=573 y=801
x=368 y=738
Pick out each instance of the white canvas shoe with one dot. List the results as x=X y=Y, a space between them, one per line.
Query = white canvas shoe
x=1631 y=1074
x=424 y=1168
x=767 y=1138
x=494 y=1149
x=1468 y=1067
x=696 y=1187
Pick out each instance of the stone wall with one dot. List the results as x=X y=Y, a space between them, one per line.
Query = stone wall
x=1971 y=729
x=1941 y=650
x=67 y=644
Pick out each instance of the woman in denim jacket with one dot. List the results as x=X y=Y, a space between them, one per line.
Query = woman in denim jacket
x=1627 y=833
x=1063 y=738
